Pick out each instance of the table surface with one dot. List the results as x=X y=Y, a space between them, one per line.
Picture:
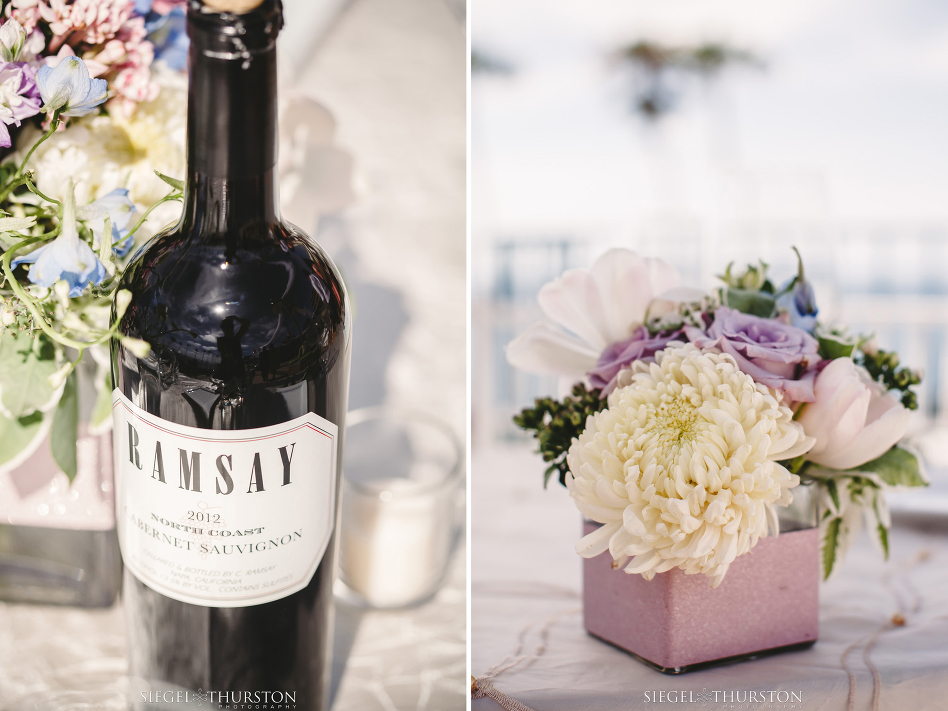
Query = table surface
x=392 y=72
x=68 y=659
x=526 y=605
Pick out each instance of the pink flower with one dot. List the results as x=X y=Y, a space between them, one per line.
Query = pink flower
x=90 y=21
x=112 y=53
x=163 y=7
x=620 y=356
x=134 y=83
x=133 y=31
x=854 y=419
x=776 y=354
x=19 y=97
x=107 y=34
x=27 y=12
x=96 y=68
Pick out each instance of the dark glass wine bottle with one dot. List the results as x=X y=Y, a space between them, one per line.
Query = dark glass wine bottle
x=228 y=433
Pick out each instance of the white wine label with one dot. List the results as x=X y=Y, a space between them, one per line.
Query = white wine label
x=223 y=518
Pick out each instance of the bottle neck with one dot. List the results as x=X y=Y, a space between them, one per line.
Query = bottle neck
x=216 y=205
x=232 y=135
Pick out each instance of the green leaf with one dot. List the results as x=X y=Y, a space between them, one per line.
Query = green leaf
x=833 y=492
x=830 y=546
x=25 y=366
x=65 y=429
x=884 y=368
x=19 y=434
x=832 y=347
x=173 y=182
x=548 y=473
x=857 y=486
x=897 y=467
x=756 y=303
x=102 y=410
x=556 y=424
x=883 y=533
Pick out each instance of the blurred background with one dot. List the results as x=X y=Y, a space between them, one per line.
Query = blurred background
x=706 y=131
x=391 y=75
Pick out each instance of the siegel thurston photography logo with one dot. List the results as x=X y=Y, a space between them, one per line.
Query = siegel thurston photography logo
x=223 y=700
x=744 y=699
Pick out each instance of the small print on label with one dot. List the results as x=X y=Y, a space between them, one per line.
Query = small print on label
x=223 y=518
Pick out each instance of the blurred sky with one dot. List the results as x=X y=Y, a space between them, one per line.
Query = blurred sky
x=846 y=122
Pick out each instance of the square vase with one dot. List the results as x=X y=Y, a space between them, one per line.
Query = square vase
x=768 y=602
x=58 y=544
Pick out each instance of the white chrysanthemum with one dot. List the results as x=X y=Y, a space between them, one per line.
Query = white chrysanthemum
x=104 y=152
x=681 y=468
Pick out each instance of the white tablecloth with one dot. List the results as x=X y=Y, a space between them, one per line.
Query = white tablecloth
x=66 y=659
x=526 y=603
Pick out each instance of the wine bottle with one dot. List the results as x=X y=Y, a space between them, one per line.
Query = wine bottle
x=228 y=433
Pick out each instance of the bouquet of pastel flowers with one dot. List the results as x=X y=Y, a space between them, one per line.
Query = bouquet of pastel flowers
x=92 y=121
x=693 y=416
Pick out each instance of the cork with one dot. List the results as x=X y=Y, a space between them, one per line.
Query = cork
x=235 y=6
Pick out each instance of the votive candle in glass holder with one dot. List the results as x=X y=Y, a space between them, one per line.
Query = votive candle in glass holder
x=400 y=506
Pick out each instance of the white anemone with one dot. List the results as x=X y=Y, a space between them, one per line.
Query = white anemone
x=589 y=310
x=681 y=468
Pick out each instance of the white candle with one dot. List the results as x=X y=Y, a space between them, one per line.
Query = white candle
x=395 y=544
x=399 y=508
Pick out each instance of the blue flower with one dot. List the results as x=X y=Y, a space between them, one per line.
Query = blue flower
x=69 y=89
x=142 y=7
x=169 y=35
x=67 y=257
x=119 y=208
x=798 y=299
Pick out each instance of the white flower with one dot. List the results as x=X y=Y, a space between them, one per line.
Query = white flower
x=12 y=39
x=61 y=291
x=681 y=468
x=16 y=224
x=123 y=297
x=118 y=208
x=854 y=418
x=589 y=310
x=33 y=48
x=137 y=346
x=105 y=152
x=7 y=315
x=69 y=89
x=59 y=377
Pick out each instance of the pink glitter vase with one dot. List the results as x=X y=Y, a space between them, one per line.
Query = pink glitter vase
x=767 y=603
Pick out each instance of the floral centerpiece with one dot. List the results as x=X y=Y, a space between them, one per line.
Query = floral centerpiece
x=693 y=417
x=92 y=120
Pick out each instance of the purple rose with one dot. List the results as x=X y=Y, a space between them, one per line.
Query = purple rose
x=773 y=353
x=619 y=355
x=19 y=96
